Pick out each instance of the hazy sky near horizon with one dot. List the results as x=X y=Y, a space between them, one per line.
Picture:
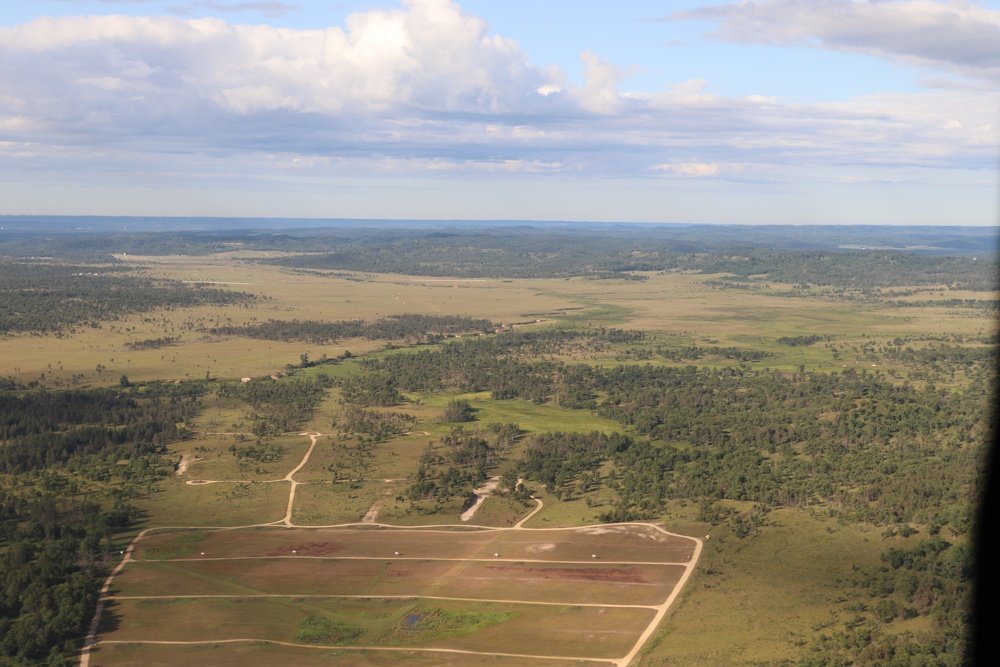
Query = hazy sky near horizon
x=774 y=111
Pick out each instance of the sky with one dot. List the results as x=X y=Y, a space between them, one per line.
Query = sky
x=764 y=112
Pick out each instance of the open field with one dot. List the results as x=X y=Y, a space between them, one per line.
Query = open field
x=221 y=504
x=569 y=631
x=678 y=308
x=760 y=600
x=504 y=579
x=240 y=654
x=584 y=593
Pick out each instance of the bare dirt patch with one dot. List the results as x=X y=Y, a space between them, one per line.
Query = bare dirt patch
x=482 y=493
x=183 y=464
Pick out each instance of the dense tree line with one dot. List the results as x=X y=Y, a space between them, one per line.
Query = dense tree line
x=554 y=255
x=277 y=406
x=988 y=306
x=499 y=364
x=56 y=554
x=42 y=429
x=696 y=352
x=457 y=467
x=37 y=297
x=556 y=459
x=55 y=548
x=865 y=269
x=151 y=343
x=796 y=341
x=393 y=327
x=459 y=410
x=371 y=390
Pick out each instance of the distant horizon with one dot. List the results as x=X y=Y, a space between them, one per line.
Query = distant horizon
x=484 y=221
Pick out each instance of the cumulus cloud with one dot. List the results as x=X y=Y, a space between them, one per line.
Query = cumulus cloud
x=958 y=36
x=423 y=87
x=600 y=92
x=429 y=55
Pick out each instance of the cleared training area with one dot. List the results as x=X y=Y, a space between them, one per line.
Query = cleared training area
x=374 y=594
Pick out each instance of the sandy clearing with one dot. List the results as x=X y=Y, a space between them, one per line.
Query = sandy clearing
x=482 y=493
x=183 y=464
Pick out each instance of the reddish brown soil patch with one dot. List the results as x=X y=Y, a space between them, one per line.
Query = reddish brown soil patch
x=399 y=573
x=308 y=549
x=623 y=575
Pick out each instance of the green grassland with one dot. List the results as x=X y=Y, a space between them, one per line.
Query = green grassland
x=675 y=305
x=759 y=600
x=219 y=504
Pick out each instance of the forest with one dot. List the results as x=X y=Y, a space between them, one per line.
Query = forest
x=46 y=297
x=73 y=462
x=413 y=327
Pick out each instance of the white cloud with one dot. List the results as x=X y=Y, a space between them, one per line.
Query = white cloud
x=600 y=90
x=429 y=55
x=697 y=169
x=958 y=36
x=423 y=88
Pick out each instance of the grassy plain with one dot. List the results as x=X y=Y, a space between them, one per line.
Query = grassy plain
x=758 y=600
x=677 y=307
x=219 y=504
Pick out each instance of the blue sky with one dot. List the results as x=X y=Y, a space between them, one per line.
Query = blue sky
x=776 y=111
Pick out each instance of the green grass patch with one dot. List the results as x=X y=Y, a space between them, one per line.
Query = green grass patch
x=224 y=504
x=326 y=631
x=420 y=625
x=542 y=418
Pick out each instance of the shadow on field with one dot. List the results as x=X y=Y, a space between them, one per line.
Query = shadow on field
x=110 y=618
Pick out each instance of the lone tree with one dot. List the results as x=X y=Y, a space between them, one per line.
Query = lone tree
x=459 y=410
